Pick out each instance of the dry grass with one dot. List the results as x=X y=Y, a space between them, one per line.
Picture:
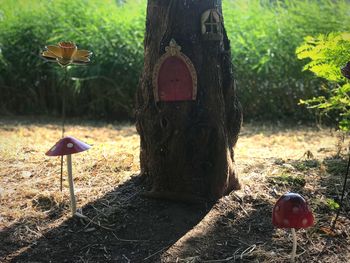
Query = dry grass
x=271 y=161
x=29 y=180
x=310 y=161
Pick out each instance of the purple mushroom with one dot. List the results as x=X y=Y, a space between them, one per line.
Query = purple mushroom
x=68 y=146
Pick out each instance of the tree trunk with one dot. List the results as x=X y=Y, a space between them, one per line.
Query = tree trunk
x=187 y=145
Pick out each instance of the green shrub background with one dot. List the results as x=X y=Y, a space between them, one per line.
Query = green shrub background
x=264 y=36
x=327 y=54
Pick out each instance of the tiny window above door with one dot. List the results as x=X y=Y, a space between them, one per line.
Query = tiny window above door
x=211 y=23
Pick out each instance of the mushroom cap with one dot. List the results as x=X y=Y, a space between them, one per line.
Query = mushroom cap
x=67 y=145
x=291 y=211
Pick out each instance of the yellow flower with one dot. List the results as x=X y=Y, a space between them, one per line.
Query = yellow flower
x=66 y=53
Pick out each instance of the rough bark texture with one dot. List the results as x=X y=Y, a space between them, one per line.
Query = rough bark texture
x=187 y=146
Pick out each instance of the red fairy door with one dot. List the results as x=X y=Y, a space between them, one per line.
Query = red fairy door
x=174 y=80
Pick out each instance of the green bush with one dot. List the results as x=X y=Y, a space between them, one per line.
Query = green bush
x=328 y=53
x=105 y=88
x=264 y=35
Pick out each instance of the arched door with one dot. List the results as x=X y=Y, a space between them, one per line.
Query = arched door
x=174 y=80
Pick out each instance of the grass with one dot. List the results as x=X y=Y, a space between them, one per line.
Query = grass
x=264 y=36
x=30 y=177
x=270 y=159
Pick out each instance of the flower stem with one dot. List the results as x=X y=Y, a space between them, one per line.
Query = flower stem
x=64 y=88
x=342 y=194
x=294 y=250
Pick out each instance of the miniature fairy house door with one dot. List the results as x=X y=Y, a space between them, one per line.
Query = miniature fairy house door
x=174 y=77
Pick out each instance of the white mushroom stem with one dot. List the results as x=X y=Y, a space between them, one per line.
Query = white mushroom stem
x=294 y=250
x=71 y=184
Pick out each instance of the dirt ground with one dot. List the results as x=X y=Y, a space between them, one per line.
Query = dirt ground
x=122 y=226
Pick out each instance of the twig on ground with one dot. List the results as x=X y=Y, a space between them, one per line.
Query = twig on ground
x=245 y=252
x=99 y=211
x=248 y=251
x=128 y=240
x=93 y=222
x=218 y=260
x=245 y=212
x=88 y=247
x=240 y=241
x=237 y=197
x=157 y=252
x=128 y=260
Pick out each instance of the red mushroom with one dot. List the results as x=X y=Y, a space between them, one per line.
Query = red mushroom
x=68 y=146
x=291 y=211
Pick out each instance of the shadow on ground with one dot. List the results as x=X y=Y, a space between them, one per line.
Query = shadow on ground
x=122 y=227
x=228 y=233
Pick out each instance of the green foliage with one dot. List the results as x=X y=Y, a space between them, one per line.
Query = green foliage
x=105 y=88
x=264 y=35
x=335 y=166
x=305 y=164
x=288 y=179
x=332 y=205
x=328 y=53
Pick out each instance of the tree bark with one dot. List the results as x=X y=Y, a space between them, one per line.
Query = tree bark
x=187 y=146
